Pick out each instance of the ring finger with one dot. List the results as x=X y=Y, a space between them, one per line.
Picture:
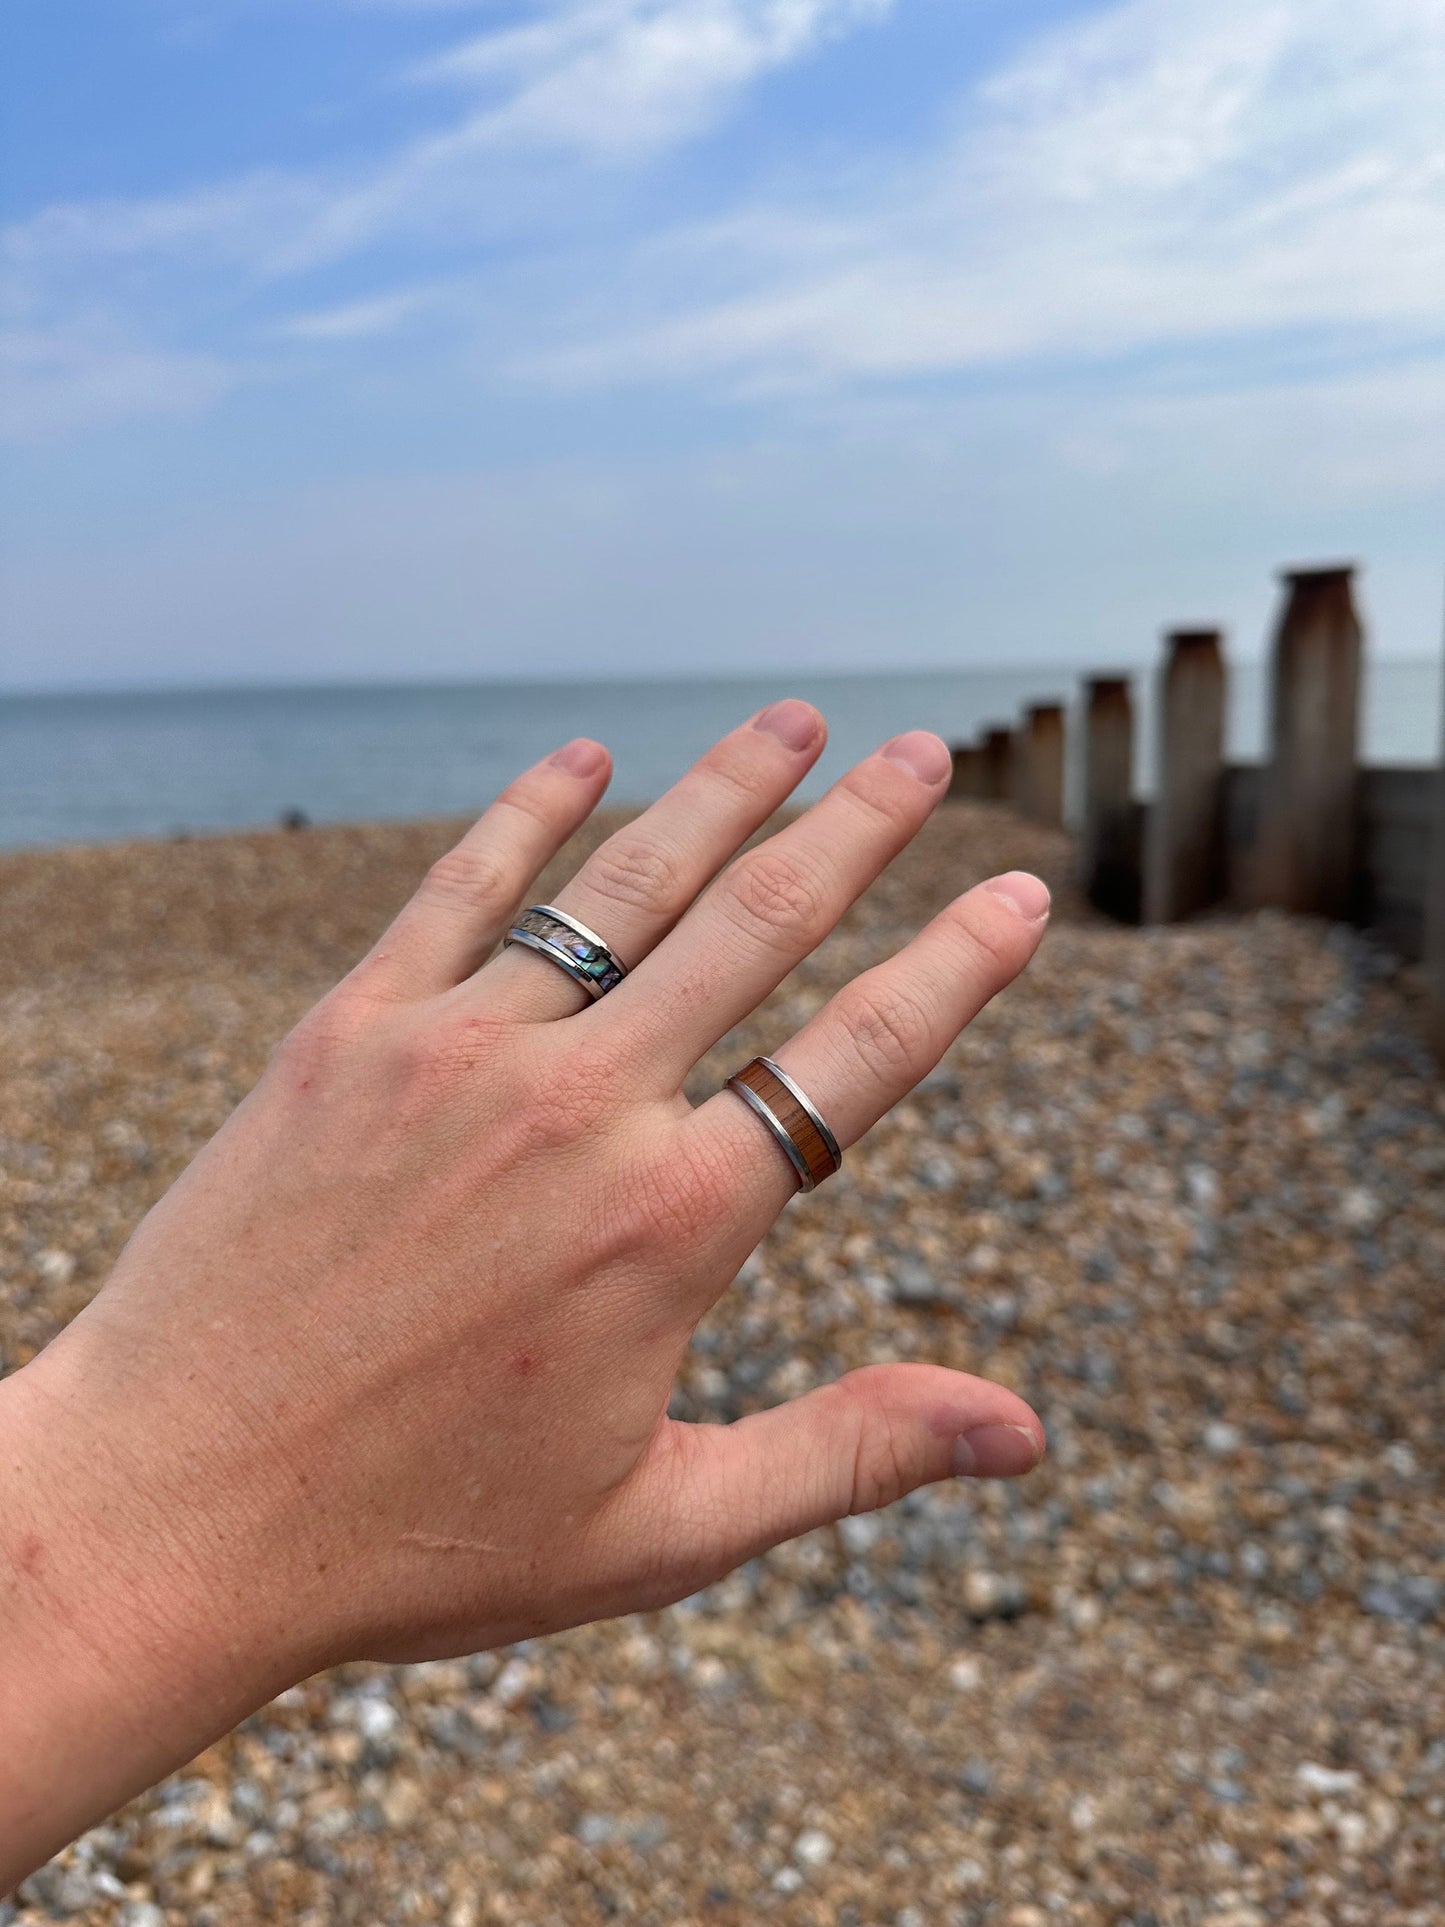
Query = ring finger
x=636 y=885
x=880 y=1034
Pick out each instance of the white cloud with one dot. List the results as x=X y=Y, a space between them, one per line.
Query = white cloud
x=616 y=76
x=1190 y=257
x=358 y=320
x=1158 y=175
x=590 y=76
x=1157 y=178
x=585 y=79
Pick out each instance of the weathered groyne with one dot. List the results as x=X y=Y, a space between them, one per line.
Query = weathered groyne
x=1308 y=829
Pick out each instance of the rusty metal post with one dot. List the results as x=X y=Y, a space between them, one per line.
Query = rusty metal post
x=1041 y=742
x=1109 y=831
x=998 y=753
x=1184 y=847
x=1307 y=834
x=966 y=783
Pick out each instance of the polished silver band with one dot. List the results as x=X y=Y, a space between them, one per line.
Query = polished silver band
x=569 y=944
x=795 y=1157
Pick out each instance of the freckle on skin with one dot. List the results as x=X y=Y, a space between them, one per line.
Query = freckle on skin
x=30 y=1555
x=523 y=1364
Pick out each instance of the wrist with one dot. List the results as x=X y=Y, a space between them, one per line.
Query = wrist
x=133 y=1620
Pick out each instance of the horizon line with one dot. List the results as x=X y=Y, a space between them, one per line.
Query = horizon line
x=679 y=679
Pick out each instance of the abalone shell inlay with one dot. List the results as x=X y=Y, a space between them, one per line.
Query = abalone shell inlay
x=591 y=960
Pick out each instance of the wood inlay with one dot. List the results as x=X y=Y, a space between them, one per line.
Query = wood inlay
x=793 y=1118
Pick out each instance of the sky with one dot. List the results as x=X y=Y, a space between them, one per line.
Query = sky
x=413 y=339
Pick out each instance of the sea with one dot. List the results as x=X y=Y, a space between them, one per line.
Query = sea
x=97 y=767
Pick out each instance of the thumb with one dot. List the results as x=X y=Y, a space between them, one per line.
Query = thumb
x=852 y=1446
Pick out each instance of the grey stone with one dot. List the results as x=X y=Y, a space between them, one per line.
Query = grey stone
x=1414 y=1597
x=648 y=1833
x=914 y=1283
x=1228 y=1792
x=596 y=1829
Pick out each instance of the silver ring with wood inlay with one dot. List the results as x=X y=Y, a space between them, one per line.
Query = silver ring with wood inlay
x=792 y=1118
x=570 y=945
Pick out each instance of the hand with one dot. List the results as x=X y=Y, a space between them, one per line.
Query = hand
x=386 y=1373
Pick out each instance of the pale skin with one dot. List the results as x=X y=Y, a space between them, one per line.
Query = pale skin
x=385 y=1374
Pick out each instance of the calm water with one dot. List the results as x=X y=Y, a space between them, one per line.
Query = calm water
x=83 y=768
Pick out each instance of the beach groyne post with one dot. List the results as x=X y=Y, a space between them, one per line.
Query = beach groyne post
x=1020 y=789
x=1109 y=834
x=1041 y=756
x=1184 y=845
x=1308 y=830
x=1435 y=913
x=1306 y=853
x=1016 y=772
x=996 y=771
x=966 y=783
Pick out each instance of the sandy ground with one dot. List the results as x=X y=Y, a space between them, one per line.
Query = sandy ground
x=1185 y=1190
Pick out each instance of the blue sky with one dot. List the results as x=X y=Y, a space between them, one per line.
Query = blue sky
x=409 y=338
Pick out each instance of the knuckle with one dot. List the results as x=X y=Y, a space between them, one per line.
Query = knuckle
x=324 y=1037
x=431 y=1060
x=888 y=1029
x=893 y=804
x=562 y=1105
x=424 y=1069
x=527 y=797
x=775 y=895
x=466 y=877
x=887 y=1461
x=637 y=873
x=983 y=941
x=672 y=1200
x=367 y=986
x=675 y=1189
x=703 y=1169
x=727 y=765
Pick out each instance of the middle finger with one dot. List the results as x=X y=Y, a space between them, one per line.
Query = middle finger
x=635 y=886
x=774 y=905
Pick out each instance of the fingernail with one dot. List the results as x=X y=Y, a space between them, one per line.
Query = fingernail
x=996 y=1452
x=581 y=757
x=792 y=722
x=923 y=755
x=1023 y=893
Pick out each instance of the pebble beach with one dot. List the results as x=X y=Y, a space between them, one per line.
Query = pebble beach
x=1183 y=1189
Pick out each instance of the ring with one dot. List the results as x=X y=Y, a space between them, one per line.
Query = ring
x=570 y=945
x=792 y=1117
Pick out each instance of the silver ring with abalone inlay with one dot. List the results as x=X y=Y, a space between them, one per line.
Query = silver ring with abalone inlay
x=569 y=944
